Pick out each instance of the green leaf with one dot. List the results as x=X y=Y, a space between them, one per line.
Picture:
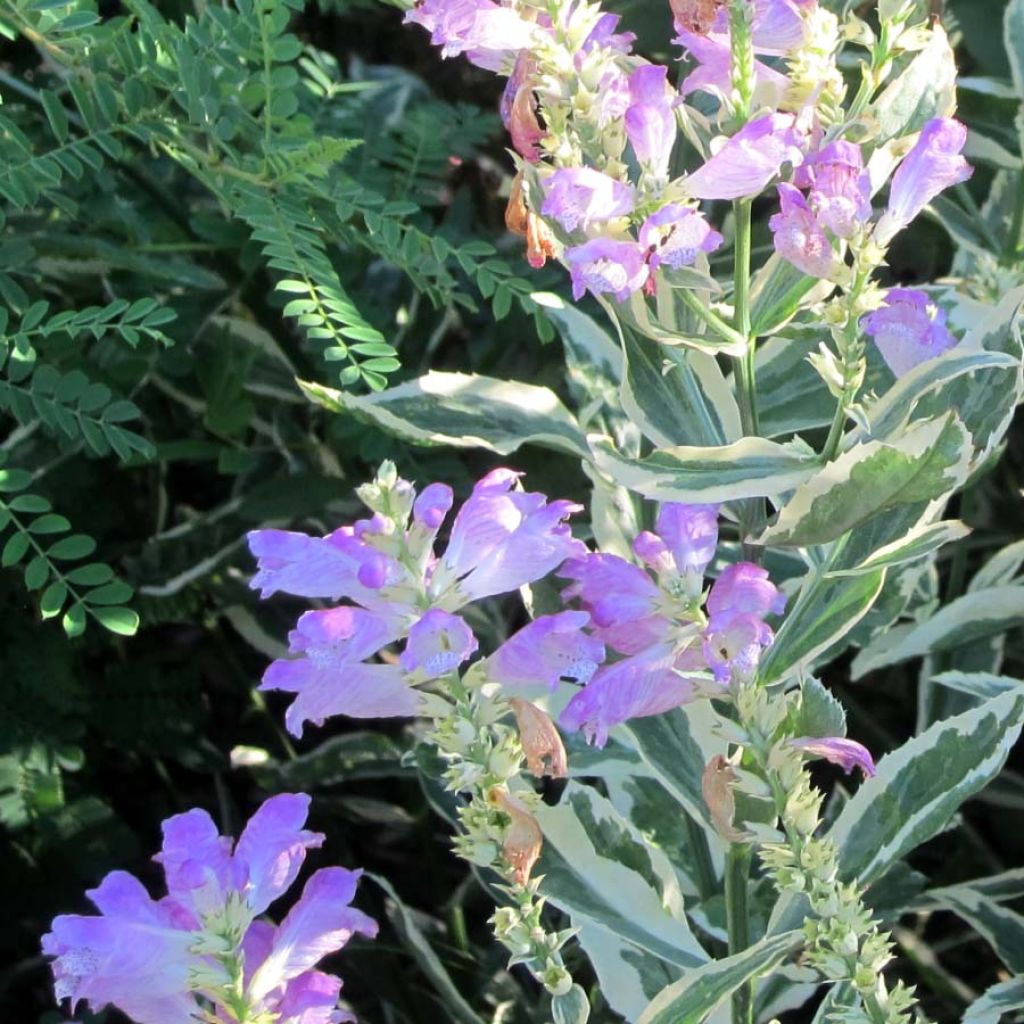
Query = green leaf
x=692 y=999
x=78 y=545
x=597 y=869
x=996 y=1002
x=74 y=620
x=748 y=468
x=52 y=601
x=919 y=786
x=423 y=953
x=928 y=461
x=462 y=410
x=50 y=523
x=1013 y=37
x=974 y=616
x=37 y=572
x=926 y=89
x=122 y=621
x=777 y=292
x=55 y=114
x=14 y=550
x=92 y=575
x=110 y=593
x=820 y=713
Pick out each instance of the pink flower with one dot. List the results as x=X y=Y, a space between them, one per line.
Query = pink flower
x=605 y=265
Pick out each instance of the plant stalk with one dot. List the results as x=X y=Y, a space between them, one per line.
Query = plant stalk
x=737 y=871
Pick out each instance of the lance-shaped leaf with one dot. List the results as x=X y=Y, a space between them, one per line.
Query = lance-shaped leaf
x=1013 y=37
x=690 y=1000
x=920 y=786
x=597 y=868
x=926 y=89
x=983 y=685
x=975 y=616
x=995 y=1002
x=463 y=410
x=1001 y=927
x=777 y=293
x=928 y=461
x=677 y=397
x=749 y=468
x=923 y=540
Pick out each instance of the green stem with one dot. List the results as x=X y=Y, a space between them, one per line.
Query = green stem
x=723 y=329
x=737 y=870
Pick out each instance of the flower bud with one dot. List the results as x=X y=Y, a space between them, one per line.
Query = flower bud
x=557 y=980
x=543 y=747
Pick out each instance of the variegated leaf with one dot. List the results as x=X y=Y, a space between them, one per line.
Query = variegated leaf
x=995 y=1002
x=748 y=468
x=690 y=1000
x=920 y=785
x=462 y=410
x=922 y=541
x=928 y=461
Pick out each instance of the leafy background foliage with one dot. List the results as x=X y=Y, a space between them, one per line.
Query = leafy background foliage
x=177 y=247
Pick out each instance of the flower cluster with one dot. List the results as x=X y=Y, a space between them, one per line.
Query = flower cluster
x=595 y=129
x=501 y=539
x=202 y=952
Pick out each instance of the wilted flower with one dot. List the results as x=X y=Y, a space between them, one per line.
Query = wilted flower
x=675 y=235
x=933 y=165
x=848 y=754
x=716 y=785
x=798 y=237
x=519 y=110
x=579 y=197
x=542 y=746
x=154 y=959
x=607 y=265
x=908 y=330
x=750 y=159
x=522 y=221
x=523 y=839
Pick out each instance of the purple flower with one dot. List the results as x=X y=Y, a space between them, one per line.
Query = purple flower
x=490 y=35
x=840 y=187
x=908 y=330
x=613 y=590
x=736 y=633
x=650 y=119
x=335 y=566
x=749 y=160
x=713 y=71
x=579 y=197
x=330 y=677
x=548 y=650
x=502 y=539
x=675 y=235
x=647 y=684
x=613 y=99
x=438 y=644
x=151 y=958
x=606 y=265
x=605 y=34
x=934 y=164
x=849 y=754
x=798 y=236
x=691 y=534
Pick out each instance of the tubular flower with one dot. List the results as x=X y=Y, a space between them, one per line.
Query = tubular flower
x=848 y=754
x=675 y=235
x=798 y=237
x=933 y=165
x=908 y=330
x=650 y=119
x=607 y=265
x=667 y=642
x=501 y=538
x=154 y=959
x=840 y=188
x=579 y=197
x=488 y=34
x=750 y=159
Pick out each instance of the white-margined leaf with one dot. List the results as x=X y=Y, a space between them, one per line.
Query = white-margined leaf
x=749 y=468
x=923 y=540
x=597 y=868
x=996 y=1002
x=677 y=397
x=1001 y=568
x=974 y=616
x=1001 y=927
x=1013 y=37
x=981 y=685
x=920 y=786
x=690 y=1000
x=926 y=462
x=925 y=89
x=462 y=410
